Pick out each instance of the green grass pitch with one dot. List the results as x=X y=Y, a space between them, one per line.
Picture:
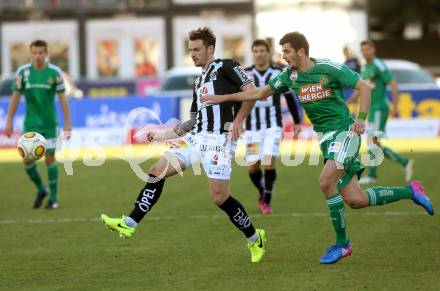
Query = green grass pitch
x=186 y=243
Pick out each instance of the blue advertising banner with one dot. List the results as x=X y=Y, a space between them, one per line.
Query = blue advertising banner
x=105 y=112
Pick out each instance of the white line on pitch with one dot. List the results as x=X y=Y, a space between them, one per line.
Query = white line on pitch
x=205 y=217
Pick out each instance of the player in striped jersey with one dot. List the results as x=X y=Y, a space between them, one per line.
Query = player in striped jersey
x=319 y=84
x=264 y=126
x=206 y=139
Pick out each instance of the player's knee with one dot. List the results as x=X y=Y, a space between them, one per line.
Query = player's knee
x=218 y=197
x=326 y=184
x=156 y=170
x=253 y=167
x=354 y=202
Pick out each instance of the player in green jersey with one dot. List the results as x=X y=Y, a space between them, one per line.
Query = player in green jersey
x=39 y=82
x=318 y=84
x=378 y=76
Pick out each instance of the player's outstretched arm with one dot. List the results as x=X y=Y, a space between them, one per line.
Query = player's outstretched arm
x=249 y=95
x=184 y=127
x=154 y=133
x=15 y=98
x=364 y=107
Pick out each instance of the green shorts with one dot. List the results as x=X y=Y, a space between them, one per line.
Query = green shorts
x=377 y=121
x=343 y=146
x=50 y=134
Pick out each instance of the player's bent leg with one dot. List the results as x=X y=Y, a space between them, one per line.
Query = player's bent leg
x=328 y=180
x=52 y=174
x=237 y=214
x=353 y=195
x=377 y=196
x=167 y=166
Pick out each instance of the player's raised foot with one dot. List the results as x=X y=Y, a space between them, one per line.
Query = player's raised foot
x=265 y=208
x=258 y=248
x=367 y=180
x=419 y=196
x=409 y=170
x=335 y=253
x=39 y=199
x=119 y=225
x=51 y=205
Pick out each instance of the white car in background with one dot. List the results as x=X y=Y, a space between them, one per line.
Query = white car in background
x=179 y=81
x=410 y=76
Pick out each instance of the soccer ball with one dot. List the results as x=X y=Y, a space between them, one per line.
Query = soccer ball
x=31 y=146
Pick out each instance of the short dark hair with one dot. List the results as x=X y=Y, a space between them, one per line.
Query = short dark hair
x=297 y=41
x=39 y=43
x=261 y=42
x=368 y=42
x=205 y=34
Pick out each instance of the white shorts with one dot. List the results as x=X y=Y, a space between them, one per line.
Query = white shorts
x=214 y=151
x=261 y=143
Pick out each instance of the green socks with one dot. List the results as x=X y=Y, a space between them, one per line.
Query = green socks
x=32 y=172
x=384 y=195
x=52 y=174
x=337 y=216
x=389 y=153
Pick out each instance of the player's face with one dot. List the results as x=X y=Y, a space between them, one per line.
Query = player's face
x=261 y=55
x=38 y=55
x=292 y=57
x=367 y=52
x=200 y=54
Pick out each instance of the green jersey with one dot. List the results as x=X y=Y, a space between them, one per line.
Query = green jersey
x=39 y=88
x=320 y=92
x=378 y=76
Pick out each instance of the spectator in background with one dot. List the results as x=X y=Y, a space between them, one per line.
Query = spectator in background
x=351 y=59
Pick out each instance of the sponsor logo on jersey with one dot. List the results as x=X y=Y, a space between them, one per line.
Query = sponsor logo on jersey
x=294 y=75
x=50 y=81
x=277 y=84
x=241 y=74
x=334 y=147
x=18 y=81
x=211 y=148
x=213 y=76
x=214 y=160
x=314 y=92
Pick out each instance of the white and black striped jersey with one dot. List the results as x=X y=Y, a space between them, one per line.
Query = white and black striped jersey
x=267 y=113
x=222 y=76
